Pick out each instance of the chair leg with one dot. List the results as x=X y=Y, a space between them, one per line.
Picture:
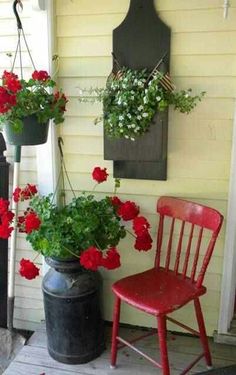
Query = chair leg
x=202 y=330
x=115 y=328
x=162 y=335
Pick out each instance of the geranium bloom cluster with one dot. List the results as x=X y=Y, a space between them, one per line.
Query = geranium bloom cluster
x=85 y=228
x=20 y=98
x=92 y=258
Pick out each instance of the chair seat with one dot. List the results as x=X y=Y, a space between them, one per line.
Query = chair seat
x=170 y=292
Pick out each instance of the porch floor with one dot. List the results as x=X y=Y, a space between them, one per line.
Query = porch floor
x=34 y=359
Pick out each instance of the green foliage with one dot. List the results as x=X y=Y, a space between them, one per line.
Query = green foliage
x=35 y=97
x=130 y=102
x=69 y=230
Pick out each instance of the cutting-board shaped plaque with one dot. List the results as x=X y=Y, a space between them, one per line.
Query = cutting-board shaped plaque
x=140 y=42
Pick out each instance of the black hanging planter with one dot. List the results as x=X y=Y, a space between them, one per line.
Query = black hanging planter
x=74 y=325
x=33 y=132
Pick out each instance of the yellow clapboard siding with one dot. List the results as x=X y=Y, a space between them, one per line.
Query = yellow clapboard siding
x=210 y=43
x=205 y=150
x=179 y=187
x=199 y=20
x=85 y=66
x=112 y=6
x=218 y=87
x=181 y=128
x=88 y=25
x=203 y=66
x=81 y=126
x=85 y=46
x=188 y=22
x=193 y=168
x=89 y=7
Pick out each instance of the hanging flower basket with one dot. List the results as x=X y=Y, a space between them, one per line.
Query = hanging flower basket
x=32 y=133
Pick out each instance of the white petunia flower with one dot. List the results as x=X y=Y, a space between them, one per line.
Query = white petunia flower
x=145 y=114
x=158 y=98
x=133 y=126
x=140 y=108
x=129 y=115
x=121 y=117
x=132 y=139
x=139 y=117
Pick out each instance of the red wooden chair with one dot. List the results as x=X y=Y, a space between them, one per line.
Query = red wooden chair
x=176 y=278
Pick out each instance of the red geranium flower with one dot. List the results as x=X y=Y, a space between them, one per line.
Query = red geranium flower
x=143 y=242
x=100 y=175
x=116 y=202
x=17 y=194
x=5 y=230
x=11 y=81
x=91 y=258
x=61 y=99
x=24 y=194
x=4 y=204
x=28 y=269
x=140 y=225
x=128 y=210
x=28 y=191
x=112 y=259
x=40 y=75
x=32 y=222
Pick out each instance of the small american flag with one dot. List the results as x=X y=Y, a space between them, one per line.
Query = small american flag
x=165 y=80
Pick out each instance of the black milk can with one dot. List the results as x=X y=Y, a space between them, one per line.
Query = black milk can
x=74 y=325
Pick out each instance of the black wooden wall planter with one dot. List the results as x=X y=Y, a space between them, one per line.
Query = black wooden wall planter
x=140 y=42
x=4 y=183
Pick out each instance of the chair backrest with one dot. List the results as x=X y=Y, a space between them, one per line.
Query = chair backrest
x=186 y=237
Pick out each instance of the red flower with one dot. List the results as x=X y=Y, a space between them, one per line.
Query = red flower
x=32 y=222
x=11 y=81
x=5 y=230
x=17 y=194
x=6 y=100
x=143 y=242
x=61 y=100
x=4 y=204
x=40 y=75
x=128 y=210
x=24 y=194
x=116 y=202
x=21 y=224
x=140 y=225
x=28 y=269
x=8 y=75
x=91 y=258
x=112 y=259
x=28 y=192
x=8 y=216
x=100 y=175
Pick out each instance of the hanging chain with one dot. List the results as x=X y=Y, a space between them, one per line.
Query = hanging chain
x=20 y=33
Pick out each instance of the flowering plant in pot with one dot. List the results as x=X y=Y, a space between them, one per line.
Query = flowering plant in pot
x=131 y=99
x=86 y=228
x=20 y=98
x=77 y=239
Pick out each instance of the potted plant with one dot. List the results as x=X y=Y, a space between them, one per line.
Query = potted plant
x=131 y=99
x=76 y=240
x=26 y=106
